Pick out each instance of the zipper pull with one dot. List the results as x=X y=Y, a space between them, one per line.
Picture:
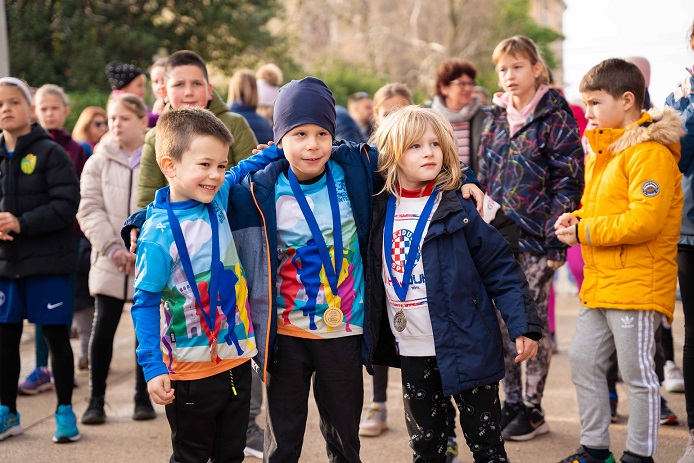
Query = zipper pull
x=231 y=378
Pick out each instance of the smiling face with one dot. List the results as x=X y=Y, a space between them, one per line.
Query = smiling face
x=126 y=128
x=186 y=86
x=200 y=172
x=51 y=111
x=518 y=77
x=15 y=111
x=421 y=162
x=307 y=148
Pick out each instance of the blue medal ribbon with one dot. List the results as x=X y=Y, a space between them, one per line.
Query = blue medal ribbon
x=411 y=257
x=209 y=318
x=332 y=273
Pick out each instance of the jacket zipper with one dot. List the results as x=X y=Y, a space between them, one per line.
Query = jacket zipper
x=269 y=285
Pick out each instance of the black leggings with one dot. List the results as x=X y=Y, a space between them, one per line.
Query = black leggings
x=62 y=363
x=685 y=264
x=106 y=319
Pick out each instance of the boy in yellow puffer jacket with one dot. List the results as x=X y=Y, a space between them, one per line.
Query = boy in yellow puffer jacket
x=628 y=227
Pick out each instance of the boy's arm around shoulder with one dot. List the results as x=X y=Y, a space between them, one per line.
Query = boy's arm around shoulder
x=151 y=178
x=257 y=162
x=134 y=221
x=652 y=178
x=63 y=191
x=502 y=276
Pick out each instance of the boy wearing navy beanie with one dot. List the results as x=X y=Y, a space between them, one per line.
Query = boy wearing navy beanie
x=317 y=209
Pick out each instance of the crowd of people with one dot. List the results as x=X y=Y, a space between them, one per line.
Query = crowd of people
x=339 y=242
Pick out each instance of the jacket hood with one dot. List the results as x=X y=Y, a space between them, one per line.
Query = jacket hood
x=664 y=127
x=37 y=133
x=660 y=126
x=109 y=148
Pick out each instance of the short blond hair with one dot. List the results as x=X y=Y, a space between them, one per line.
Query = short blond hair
x=400 y=130
x=176 y=130
x=270 y=73
x=520 y=46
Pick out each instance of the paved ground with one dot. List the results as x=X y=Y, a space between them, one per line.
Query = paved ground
x=124 y=440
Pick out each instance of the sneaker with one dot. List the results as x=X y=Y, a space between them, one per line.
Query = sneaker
x=628 y=457
x=614 y=400
x=674 y=381
x=66 y=425
x=529 y=422
x=83 y=364
x=374 y=423
x=688 y=456
x=509 y=412
x=581 y=456
x=452 y=450
x=95 y=412
x=38 y=380
x=255 y=441
x=143 y=408
x=667 y=416
x=9 y=423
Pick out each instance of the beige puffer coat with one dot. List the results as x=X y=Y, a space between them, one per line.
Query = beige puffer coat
x=108 y=188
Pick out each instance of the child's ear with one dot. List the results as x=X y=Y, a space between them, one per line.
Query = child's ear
x=164 y=93
x=210 y=89
x=68 y=110
x=628 y=101
x=168 y=167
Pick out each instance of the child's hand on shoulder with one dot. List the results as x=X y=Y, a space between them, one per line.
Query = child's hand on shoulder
x=470 y=189
x=526 y=348
x=160 y=390
x=262 y=146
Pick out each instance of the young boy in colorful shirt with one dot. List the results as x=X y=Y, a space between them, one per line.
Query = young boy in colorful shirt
x=186 y=257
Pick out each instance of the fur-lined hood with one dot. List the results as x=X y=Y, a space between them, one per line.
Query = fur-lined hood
x=661 y=126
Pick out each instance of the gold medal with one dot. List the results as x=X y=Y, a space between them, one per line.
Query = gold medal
x=332 y=317
x=213 y=351
x=399 y=321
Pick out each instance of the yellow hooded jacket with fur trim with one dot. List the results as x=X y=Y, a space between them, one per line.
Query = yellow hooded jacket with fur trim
x=631 y=213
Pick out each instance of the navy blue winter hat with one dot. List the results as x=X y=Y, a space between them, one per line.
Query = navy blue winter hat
x=305 y=101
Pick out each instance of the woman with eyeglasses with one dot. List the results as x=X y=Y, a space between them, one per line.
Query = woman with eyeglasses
x=90 y=127
x=455 y=100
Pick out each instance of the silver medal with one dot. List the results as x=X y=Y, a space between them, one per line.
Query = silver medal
x=399 y=321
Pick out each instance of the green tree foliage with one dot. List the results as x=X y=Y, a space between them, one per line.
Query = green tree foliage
x=68 y=42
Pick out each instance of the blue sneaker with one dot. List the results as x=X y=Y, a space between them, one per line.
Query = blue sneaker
x=38 y=380
x=66 y=425
x=9 y=423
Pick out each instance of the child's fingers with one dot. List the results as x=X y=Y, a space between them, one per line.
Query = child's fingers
x=134 y=233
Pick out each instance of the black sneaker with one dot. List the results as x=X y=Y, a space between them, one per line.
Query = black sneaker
x=667 y=416
x=628 y=457
x=95 y=412
x=143 y=409
x=581 y=456
x=509 y=412
x=529 y=422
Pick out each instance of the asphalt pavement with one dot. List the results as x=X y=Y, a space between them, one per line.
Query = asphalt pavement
x=121 y=439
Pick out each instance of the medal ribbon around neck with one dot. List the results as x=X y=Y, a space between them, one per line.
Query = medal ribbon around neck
x=402 y=288
x=332 y=273
x=211 y=317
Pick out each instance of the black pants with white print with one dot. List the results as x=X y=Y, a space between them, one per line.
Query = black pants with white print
x=427 y=420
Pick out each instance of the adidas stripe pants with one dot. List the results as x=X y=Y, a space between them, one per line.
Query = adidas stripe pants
x=631 y=332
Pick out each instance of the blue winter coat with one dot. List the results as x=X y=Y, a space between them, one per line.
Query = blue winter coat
x=467 y=263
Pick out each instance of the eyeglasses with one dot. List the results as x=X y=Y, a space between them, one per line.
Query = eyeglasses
x=461 y=83
x=99 y=124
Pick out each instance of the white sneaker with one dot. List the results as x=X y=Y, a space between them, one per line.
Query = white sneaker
x=688 y=456
x=674 y=381
x=375 y=421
